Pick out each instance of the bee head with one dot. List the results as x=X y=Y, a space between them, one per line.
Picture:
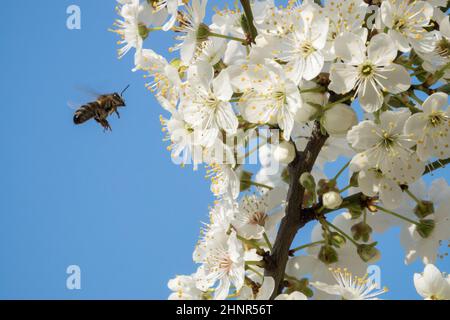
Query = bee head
x=118 y=100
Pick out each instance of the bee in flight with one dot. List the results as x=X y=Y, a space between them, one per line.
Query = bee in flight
x=101 y=109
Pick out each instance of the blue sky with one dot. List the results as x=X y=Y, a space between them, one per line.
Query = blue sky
x=112 y=203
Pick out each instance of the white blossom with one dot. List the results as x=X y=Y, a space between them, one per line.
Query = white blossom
x=349 y=287
x=432 y=284
x=385 y=147
x=407 y=22
x=369 y=71
x=430 y=128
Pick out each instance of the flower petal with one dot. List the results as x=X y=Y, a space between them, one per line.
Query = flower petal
x=435 y=102
x=343 y=78
x=350 y=48
x=370 y=96
x=381 y=51
x=394 y=78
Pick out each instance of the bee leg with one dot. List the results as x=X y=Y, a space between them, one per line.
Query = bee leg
x=118 y=115
x=105 y=124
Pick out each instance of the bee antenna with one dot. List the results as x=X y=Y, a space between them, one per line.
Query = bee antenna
x=123 y=91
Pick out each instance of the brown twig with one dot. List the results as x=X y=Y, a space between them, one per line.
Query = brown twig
x=249 y=15
x=294 y=220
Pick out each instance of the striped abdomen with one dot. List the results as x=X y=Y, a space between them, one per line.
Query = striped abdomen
x=86 y=112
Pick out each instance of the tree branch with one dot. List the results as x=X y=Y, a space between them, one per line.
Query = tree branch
x=249 y=15
x=294 y=219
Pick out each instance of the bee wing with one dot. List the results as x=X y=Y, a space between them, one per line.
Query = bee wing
x=92 y=93
x=74 y=105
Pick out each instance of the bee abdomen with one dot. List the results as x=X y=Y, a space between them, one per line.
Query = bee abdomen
x=86 y=112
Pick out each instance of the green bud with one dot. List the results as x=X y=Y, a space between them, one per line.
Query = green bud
x=355 y=210
x=425 y=208
x=425 y=227
x=337 y=240
x=328 y=255
x=368 y=252
x=361 y=231
x=143 y=31
x=307 y=181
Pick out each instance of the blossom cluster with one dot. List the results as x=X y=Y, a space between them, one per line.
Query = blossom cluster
x=369 y=77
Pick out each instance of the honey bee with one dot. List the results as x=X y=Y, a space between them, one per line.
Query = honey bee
x=101 y=109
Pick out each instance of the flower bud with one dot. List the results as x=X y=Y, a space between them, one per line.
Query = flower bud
x=305 y=113
x=368 y=252
x=307 y=181
x=355 y=210
x=425 y=227
x=332 y=200
x=337 y=240
x=361 y=231
x=284 y=152
x=425 y=208
x=312 y=103
x=328 y=255
x=339 y=119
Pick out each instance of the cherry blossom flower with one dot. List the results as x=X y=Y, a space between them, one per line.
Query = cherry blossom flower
x=369 y=71
x=205 y=101
x=432 y=284
x=407 y=22
x=430 y=128
x=192 y=29
x=259 y=215
x=276 y=101
x=301 y=48
x=349 y=287
x=128 y=29
x=224 y=263
x=184 y=288
x=386 y=148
